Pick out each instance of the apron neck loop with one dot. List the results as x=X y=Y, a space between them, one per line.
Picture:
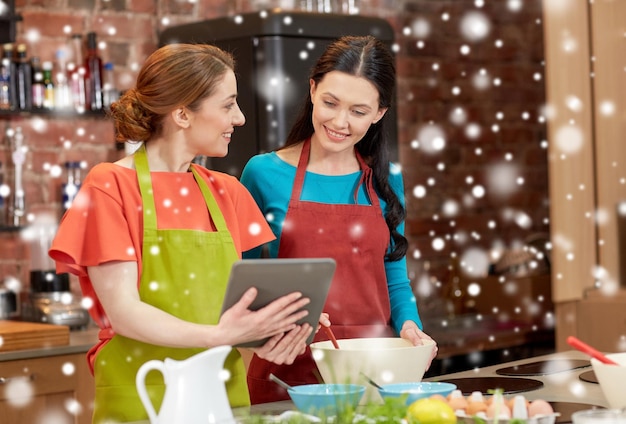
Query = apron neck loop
x=366 y=176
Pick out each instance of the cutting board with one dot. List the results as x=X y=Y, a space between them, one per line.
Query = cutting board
x=19 y=335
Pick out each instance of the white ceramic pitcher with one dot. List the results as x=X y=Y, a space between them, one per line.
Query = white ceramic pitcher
x=194 y=389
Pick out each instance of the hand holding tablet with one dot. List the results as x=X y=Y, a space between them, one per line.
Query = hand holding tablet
x=274 y=278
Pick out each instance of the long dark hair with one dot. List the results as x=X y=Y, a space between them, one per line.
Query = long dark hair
x=368 y=58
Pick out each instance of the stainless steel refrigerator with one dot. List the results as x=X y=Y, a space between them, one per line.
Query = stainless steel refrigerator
x=274 y=52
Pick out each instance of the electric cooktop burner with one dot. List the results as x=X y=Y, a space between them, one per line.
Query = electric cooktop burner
x=589 y=377
x=550 y=366
x=486 y=385
x=566 y=409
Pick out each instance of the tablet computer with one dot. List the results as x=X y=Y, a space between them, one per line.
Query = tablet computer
x=277 y=277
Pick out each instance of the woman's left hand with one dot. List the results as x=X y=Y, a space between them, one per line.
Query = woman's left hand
x=411 y=332
x=284 y=348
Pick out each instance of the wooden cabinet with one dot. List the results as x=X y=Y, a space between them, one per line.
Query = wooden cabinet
x=57 y=389
x=585 y=82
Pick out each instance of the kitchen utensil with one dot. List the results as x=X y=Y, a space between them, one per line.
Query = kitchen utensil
x=50 y=297
x=372 y=382
x=389 y=359
x=584 y=347
x=331 y=336
x=194 y=389
x=611 y=378
x=280 y=382
x=52 y=302
x=415 y=391
x=326 y=399
x=21 y=335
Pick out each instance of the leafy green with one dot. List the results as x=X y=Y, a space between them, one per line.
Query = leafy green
x=392 y=411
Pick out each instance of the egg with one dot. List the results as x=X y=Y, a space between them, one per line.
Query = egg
x=474 y=407
x=539 y=407
x=457 y=401
x=476 y=404
x=438 y=397
x=498 y=410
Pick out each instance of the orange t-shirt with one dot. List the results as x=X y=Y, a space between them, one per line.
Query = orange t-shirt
x=105 y=222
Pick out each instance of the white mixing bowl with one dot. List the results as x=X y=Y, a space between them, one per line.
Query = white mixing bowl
x=384 y=360
x=612 y=379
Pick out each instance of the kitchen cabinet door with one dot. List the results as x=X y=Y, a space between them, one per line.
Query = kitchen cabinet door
x=55 y=389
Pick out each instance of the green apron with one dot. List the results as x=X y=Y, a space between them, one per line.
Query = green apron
x=185 y=274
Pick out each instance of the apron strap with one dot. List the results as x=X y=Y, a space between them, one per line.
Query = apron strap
x=216 y=215
x=145 y=187
x=367 y=179
x=298 y=182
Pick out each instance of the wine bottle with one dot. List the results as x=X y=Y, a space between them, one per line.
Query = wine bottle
x=77 y=75
x=23 y=79
x=93 y=63
x=38 y=92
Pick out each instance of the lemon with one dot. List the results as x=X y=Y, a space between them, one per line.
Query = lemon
x=430 y=411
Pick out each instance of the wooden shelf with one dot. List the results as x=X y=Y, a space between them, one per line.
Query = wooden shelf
x=11 y=17
x=51 y=114
x=10 y=229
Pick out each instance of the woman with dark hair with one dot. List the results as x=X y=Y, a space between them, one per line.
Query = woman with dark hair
x=331 y=191
x=152 y=237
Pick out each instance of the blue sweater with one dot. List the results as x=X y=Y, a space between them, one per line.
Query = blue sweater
x=270 y=180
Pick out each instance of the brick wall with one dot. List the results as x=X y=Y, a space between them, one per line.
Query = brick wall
x=498 y=86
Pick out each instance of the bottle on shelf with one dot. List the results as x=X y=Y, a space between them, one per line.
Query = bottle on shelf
x=77 y=74
x=109 y=89
x=93 y=63
x=17 y=206
x=48 y=83
x=72 y=184
x=62 y=97
x=38 y=87
x=23 y=79
x=7 y=66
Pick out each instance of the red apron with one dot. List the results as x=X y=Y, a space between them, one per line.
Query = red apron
x=357 y=237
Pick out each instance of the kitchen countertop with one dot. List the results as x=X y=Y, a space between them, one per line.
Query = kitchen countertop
x=80 y=342
x=563 y=386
